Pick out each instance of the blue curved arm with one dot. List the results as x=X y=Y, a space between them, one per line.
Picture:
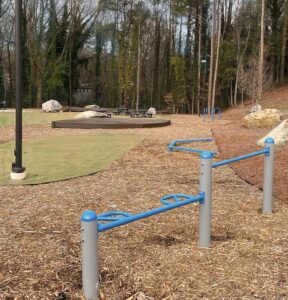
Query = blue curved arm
x=113 y=215
x=173 y=145
x=170 y=199
x=132 y=218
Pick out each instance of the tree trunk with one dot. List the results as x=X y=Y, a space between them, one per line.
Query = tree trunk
x=155 y=92
x=217 y=56
x=211 y=58
x=261 y=54
x=188 y=62
x=284 y=43
x=199 y=59
x=138 y=64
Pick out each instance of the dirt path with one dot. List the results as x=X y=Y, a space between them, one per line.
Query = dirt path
x=40 y=239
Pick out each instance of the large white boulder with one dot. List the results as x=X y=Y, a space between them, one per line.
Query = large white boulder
x=51 y=106
x=152 y=111
x=90 y=114
x=279 y=134
x=255 y=108
x=262 y=119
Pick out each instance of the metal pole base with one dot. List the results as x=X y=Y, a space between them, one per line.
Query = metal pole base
x=17 y=175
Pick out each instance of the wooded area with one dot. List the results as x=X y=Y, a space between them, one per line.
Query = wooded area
x=183 y=55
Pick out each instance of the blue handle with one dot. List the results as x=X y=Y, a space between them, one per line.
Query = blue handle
x=149 y=213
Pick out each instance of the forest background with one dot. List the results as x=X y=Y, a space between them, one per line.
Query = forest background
x=180 y=54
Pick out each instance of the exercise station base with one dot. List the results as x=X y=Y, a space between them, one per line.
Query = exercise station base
x=18 y=176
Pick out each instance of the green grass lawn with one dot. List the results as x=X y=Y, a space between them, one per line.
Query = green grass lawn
x=33 y=117
x=56 y=158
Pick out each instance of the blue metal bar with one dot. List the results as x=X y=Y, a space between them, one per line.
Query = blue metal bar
x=173 y=145
x=238 y=158
x=193 y=150
x=149 y=213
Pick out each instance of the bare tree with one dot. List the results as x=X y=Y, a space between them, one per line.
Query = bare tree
x=261 y=52
x=219 y=21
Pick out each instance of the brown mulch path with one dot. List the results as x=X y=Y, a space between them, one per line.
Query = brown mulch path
x=233 y=140
x=40 y=254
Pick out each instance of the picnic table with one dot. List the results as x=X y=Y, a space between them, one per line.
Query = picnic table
x=121 y=111
x=140 y=114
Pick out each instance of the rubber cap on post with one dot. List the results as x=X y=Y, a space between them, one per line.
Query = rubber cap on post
x=269 y=140
x=89 y=216
x=206 y=155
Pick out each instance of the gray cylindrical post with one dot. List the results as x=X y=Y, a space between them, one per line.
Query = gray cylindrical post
x=205 y=205
x=90 y=278
x=268 y=177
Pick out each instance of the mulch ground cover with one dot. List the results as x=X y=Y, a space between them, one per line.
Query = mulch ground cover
x=233 y=140
x=40 y=245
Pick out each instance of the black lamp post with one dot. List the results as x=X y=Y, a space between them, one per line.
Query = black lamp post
x=18 y=171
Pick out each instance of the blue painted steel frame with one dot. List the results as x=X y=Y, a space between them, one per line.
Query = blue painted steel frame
x=127 y=218
x=265 y=151
x=214 y=111
x=173 y=145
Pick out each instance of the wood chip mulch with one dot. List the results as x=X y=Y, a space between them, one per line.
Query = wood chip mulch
x=158 y=257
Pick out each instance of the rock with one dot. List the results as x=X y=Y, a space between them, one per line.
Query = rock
x=90 y=114
x=279 y=134
x=93 y=106
x=255 y=108
x=51 y=106
x=152 y=111
x=262 y=119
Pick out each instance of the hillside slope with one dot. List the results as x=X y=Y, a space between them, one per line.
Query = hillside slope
x=233 y=139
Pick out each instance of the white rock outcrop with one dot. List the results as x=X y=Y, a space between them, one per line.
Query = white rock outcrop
x=262 y=119
x=255 y=108
x=279 y=134
x=152 y=111
x=90 y=114
x=51 y=106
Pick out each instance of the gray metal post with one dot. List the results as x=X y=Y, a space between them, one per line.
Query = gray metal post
x=268 y=177
x=205 y=206
x=90 y=277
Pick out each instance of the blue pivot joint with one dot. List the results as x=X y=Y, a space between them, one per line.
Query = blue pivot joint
x=89 y=216
x=207 y=155
x=268 y=140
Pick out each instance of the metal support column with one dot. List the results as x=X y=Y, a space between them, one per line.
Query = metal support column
x=18 y=171
x=90 y=276
x=268 y=177
x=205 y=205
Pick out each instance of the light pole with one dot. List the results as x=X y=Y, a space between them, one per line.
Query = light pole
x=18 y=171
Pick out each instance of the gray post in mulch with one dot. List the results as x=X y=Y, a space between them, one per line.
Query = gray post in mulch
x=268 y=176
x=205 y=205
x=90 y=276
